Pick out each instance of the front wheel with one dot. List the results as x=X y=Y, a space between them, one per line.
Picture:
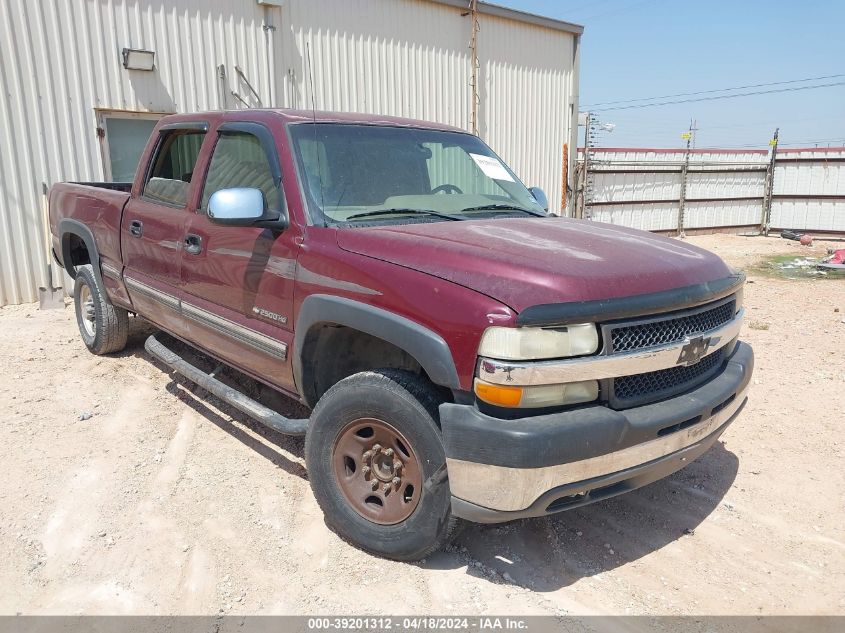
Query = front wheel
x=377 y=466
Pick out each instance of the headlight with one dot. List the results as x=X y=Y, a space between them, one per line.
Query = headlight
x=740 y=298
x=536 y=396
x=532 y=343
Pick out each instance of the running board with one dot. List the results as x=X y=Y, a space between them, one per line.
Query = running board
x=233 y=397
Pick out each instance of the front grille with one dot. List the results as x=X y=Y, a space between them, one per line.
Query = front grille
x=656 y=332
x=631 y=391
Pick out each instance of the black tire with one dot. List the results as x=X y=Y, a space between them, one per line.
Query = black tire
x=409 y=404
x=104 y=327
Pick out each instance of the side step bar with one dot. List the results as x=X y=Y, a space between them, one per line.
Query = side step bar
x=242 y=402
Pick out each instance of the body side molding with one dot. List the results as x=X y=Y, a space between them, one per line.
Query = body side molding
x=236 y=331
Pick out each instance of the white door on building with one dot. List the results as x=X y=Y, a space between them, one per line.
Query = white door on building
x=123 y=136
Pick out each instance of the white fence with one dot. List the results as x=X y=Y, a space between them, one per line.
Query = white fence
x=725 y=189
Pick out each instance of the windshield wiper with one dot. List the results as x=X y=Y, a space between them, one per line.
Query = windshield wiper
x=368 y=214
x=503 y=207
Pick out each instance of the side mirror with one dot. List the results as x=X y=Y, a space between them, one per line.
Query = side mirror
x=241 y=206
x=238 y=206
x=540 y=197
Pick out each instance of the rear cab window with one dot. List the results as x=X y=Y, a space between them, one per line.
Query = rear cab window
x=172 y=168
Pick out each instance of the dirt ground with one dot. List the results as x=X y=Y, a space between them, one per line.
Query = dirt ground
x=125 y=492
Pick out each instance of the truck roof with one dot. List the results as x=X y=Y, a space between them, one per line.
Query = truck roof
x=289 y=115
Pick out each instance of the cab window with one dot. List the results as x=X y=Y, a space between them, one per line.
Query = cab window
x=239 y=160
x=173 y=167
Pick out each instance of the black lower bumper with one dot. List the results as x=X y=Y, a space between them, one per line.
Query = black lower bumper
x=501 y=470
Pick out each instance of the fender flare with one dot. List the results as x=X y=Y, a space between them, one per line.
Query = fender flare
x=427 y=347
x=68 y=227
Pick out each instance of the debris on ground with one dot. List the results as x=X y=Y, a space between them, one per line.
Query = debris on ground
x=802 y=267
x=835 y=263
x=799 y=262
x=836 y=256
x=803 y=238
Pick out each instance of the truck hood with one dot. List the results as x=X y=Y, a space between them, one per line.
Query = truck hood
x=531 y=261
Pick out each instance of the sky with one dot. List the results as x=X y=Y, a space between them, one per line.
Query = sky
x=636 y=49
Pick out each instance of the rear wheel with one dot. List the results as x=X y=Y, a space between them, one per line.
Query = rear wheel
x=377 y=467
x=104 y=327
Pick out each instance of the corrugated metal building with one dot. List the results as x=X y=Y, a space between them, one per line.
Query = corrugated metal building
x=70 y=110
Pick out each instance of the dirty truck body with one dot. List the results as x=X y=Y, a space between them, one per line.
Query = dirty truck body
x=463 y=354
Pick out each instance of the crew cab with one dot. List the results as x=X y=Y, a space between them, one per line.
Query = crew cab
x=463 y=354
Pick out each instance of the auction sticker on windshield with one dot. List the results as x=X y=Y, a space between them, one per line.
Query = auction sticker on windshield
x=491 y=167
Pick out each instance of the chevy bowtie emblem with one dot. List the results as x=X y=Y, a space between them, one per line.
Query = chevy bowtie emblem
x=695 y=349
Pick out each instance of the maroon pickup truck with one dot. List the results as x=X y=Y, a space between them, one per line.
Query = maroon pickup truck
x=463 y=354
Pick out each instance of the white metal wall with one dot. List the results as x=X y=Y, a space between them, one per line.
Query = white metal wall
x=817 y=172
x=641 y=188
x=60 y=60
x=629 y=176
x=414 y=61
x=526 y=86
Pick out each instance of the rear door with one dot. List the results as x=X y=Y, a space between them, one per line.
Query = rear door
x=154 y=224
x=239 y=281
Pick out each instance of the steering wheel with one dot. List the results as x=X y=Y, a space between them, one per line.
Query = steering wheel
x=447 y=188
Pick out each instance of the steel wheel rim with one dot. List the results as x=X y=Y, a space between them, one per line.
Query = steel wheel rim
x=377 y=471
x=88 y=314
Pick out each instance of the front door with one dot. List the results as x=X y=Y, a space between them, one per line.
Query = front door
x=154 y=224
x=238 y=281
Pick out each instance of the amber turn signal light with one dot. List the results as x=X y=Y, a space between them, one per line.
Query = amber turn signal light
x=498 y=395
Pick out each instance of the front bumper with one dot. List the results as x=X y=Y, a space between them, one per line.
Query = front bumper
x=500 y=470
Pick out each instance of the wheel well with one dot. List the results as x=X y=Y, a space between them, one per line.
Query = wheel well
x=78 y=251
x=333 y=352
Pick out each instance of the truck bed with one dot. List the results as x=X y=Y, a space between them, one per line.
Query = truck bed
x=114 y=186
x=98 y=206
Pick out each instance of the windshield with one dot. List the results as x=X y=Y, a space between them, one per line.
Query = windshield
x=364 y=174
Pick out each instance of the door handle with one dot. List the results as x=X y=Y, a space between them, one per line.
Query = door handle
x=193 y=244
x=136 y=228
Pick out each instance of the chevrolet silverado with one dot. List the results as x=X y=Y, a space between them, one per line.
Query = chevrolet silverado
x=463 y=354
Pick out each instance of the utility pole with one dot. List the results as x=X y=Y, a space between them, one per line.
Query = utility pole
x=473 y=47
x=689 y=136
x=766 y=216
x=587 y=186
x=564 y=177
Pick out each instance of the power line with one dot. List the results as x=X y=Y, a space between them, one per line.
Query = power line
x=636 y=127
x=780 y=143
x=615 y=10
x=816 y=141
x=731 y=96
x=770 y=123
x=584 y=5
x=703 y=92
